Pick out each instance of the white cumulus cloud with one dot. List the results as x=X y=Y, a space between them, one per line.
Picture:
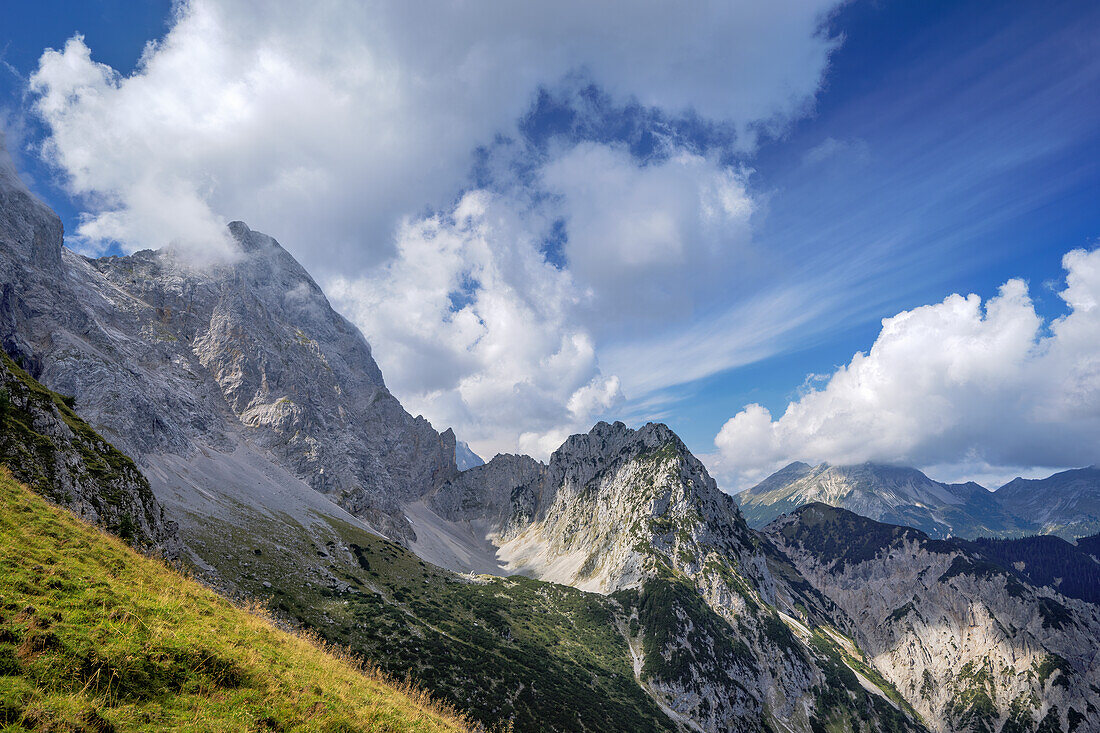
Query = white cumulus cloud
x=960 y=385
x=652 y=242
x=348 y=131
x=473 y=327
x=327 y=123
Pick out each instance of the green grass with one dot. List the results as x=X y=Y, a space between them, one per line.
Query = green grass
x=96 y=637
x=121 y=492
x=538 y=655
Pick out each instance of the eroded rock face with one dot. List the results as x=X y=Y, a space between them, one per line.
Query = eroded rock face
x=971 y=645
x=632 y=514
x=169 y=360
x=293 y=373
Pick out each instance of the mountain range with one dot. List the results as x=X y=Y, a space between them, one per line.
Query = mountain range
x=614 y=587
x=1066 y=504
x=970 y=643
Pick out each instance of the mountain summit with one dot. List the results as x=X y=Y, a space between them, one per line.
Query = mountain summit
x=237 y=377
x=632 y=514
x=893 y=494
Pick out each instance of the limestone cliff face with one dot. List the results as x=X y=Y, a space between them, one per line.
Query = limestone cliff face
x=299 y=378
x=605 y=502
x=171 y=362
x=971 y=645
x=632 y=514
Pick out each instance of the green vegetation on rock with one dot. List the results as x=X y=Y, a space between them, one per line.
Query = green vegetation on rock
x=47 y=446
x=537 y=655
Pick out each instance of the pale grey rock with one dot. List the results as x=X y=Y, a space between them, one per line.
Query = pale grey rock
x=969 y=645
x=171 y=360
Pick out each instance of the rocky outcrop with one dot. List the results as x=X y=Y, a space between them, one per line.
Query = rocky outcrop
x=169 y=360
x=887 y=494
x=48 y=447
x=633 y=514
x=294 y=375
x=970 y=644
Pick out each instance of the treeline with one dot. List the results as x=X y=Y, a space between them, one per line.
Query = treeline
x=1049 y=560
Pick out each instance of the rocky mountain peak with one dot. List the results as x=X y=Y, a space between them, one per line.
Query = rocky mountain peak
x=238 y=361
x=894 y=494
x=583 y=457
x=784 y=476
x=243 y=235
x=1066 y=503
x=465 y=457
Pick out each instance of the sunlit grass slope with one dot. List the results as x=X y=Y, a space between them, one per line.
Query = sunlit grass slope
x=96 y=637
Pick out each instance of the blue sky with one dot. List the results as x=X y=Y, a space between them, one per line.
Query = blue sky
x=916 y=150
x=978 y=149
x=119 y=31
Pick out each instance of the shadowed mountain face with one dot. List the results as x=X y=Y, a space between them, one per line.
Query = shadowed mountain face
x=1066 y=504
x=1072 y=569
x=886 y=493
x=972 y=644
x=52 y=450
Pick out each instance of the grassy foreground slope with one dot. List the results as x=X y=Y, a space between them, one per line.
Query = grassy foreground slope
x=94 y=636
